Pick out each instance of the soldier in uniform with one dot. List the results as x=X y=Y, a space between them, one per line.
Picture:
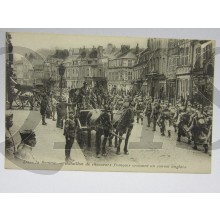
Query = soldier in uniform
x=148 y=111
x=155 y=113
x=24 y=151
x=9 y=141
x=43 y=108
x=139 y=108
x=31 y=101
x=183 y=124
x=104 y=127
x=164 y=119
x=61 y=112
x=49 y=108
x=53 y=105
x=70 y=133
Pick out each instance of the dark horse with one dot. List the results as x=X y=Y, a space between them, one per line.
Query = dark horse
x=124 y=126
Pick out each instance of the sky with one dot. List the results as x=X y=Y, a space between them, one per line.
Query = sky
x=35 y=41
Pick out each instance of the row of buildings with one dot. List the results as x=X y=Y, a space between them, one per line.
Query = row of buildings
x=81 y=64
x=168 y=69
x=176 y=69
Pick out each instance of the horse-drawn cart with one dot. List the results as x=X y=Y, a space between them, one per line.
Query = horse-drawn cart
x=88 y=120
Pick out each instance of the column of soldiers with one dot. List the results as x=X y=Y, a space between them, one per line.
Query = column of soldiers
x=195 y=123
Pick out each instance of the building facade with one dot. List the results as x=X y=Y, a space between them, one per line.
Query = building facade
x=152 y=68
x=86 y=64
x=120 y=71
x=203 y=72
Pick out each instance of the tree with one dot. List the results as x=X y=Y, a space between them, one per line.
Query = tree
x=61 y=54
x=124 y=48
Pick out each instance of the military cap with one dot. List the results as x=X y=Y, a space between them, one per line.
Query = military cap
x=27 y=134
x=8 y=117
x=71 y=112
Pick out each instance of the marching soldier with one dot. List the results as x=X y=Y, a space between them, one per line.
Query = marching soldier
x=53 y=105
x=61 y=112
x=155 y=113
x=31 y=100
x=24 y=151
x=183 y=122
x=43 y=108
x=165 y=119
x=104 y=127
x=70 y=133
x=140 y=108
x=148 y=111
x=49 y=107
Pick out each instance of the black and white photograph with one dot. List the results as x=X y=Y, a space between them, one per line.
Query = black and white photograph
x=107 y=103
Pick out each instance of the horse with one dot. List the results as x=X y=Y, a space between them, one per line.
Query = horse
x=124 y=126
x=122 y=123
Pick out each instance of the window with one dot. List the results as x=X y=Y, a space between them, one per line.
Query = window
x=129 y=63
x=164 y=65
x=178 y=61
x=129 y=75
x=87 y=72
x=186 y=60
x=198 y=53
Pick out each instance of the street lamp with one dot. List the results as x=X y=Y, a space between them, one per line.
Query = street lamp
x=61 y=73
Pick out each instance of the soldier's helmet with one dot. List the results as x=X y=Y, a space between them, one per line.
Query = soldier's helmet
x=28 y=135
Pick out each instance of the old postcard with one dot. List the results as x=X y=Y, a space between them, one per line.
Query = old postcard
x=95 y=103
